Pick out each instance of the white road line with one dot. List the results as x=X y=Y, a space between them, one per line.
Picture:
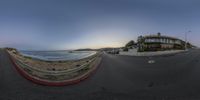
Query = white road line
x=151 y=61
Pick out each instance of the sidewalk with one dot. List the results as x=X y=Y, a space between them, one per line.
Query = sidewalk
x=133 y=52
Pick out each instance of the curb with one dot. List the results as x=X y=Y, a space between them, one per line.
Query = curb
x=49 y=83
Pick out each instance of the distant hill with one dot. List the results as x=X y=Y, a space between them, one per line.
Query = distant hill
x=86 y=49
x=109 y=49
x=89 y=49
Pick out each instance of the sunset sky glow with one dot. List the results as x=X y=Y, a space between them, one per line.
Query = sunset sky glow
x=73 y=24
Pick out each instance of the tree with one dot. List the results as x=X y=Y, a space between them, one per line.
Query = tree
x=140 y=43
x=130 y=43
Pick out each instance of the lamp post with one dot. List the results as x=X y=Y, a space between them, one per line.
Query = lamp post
x=186 y=39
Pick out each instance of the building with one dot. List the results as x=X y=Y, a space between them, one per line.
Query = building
x=159 y=43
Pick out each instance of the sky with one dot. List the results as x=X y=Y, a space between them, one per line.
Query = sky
x=73 y=24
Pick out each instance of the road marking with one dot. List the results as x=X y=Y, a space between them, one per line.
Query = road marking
x=151 y=61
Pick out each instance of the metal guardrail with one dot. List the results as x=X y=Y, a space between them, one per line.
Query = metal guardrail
x=64 y=72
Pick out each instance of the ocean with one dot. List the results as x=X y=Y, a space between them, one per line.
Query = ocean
x=58 y=55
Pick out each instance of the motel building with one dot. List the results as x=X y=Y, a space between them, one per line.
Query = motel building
x=159 y=43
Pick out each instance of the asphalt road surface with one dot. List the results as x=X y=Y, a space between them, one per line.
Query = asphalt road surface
x=118 y=78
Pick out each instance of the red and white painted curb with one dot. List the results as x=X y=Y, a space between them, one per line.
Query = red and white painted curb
x=51 y=83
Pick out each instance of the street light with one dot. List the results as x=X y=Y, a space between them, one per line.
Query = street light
x=186 y=39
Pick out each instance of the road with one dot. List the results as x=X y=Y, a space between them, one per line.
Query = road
x=118 y=78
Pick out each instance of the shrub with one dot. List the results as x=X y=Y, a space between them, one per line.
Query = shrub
x=125 y=49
